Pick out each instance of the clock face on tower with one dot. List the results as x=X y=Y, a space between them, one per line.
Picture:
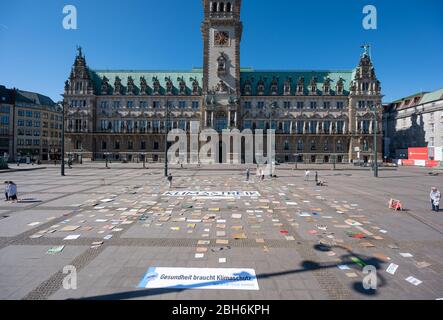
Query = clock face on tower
x=221 y=38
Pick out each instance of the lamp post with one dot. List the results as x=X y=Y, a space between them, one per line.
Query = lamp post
x=63 y=140
x=375 y=109
x=273 y=107
x=166 y=138
x=334 y=159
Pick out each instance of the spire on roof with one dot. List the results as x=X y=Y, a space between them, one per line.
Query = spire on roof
x=366 y=52
x=79 y=49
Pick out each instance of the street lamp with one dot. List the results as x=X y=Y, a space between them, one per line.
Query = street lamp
x=273 y=106
x=166 y=137
x=375 y=109
x=63 y=140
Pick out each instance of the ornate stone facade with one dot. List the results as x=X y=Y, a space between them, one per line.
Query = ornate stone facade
x=319 y=116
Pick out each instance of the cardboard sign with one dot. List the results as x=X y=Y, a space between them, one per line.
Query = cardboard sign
x=200 y=278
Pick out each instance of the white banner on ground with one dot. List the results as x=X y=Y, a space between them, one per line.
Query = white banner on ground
x=212 y=194
x=199 y=278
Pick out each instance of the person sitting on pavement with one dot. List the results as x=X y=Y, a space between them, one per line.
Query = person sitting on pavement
x=12 y=194
x=435 y=196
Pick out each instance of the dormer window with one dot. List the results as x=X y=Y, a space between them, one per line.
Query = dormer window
x=195 y=90
x=117 y=86
x=301 y=86
x=313 y=86
x=287 y=88
x=339 y=87
x=327 y=86
x=261 y=88
x=143 y=86
x=182 y=85
x=274 y=87
x=156 y=86
x=130 y=86
x=247 y=90
x=105 y=86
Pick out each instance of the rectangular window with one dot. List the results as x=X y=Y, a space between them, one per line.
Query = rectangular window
x=300 y=126
x=361 y=104
x=313 y=127
x=182 y=104
x=300 y=105
x=156 y=104
x=326 y=105
x=104 y=104
x=195 y=105
x=143 y=104
x=117 y=145
x=130 y=145
x=29 y=113
x=313 y=105
x=155 y=145
x=5 y=119
x=4 y=109
x=248 y=105
x=340 y=126
x=37 y=115
x=130 y=104
x=260 y=104
x=366 y=124
x=340 y=105
x=143 y=145
x=247 y=124
x=116 y=104
x=21 y=113
x=260 y=124
x=287 y=104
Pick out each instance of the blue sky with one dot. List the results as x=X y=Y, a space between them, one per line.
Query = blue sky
x=36 y=53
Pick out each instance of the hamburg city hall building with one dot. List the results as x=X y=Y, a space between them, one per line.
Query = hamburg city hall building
x=320 y=116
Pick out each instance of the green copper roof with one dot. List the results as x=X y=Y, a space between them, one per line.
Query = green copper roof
x=432 y=96
x=149 y=75
x=281 y=76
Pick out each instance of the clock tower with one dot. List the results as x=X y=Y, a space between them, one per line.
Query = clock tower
x=222 y=31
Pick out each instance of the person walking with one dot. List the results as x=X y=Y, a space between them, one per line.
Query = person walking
x=435 y=196
x=170 y=180
x=7 y=190
x=316 y=177
x=12 y=193
x=262 y=174
x=248 y=173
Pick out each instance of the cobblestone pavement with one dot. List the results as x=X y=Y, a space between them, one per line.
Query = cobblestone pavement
x=303 y=241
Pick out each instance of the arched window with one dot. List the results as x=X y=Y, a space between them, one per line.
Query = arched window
x=286 y=145
x=365 y=145
x=300 y=145
x=221 y=7
x=339 y=146
x=228 y=7
x=313 y=145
